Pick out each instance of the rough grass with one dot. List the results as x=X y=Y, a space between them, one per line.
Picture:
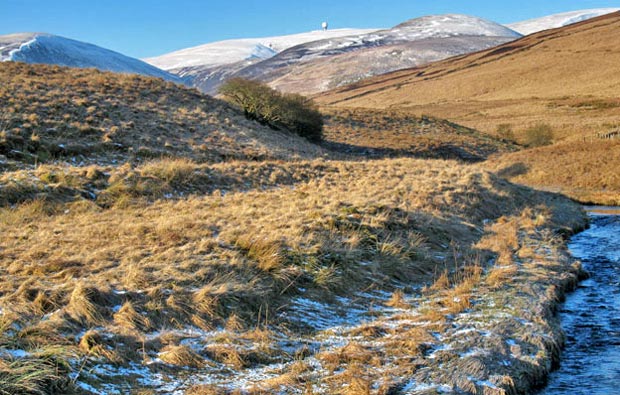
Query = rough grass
x=394 y=133
x=227 y=260
x=583 y=170
x=564 y=79
x=125 y=266
x=50 y=113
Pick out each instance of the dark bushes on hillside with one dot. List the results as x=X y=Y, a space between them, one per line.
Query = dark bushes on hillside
x=278 y=110
x=539 y=135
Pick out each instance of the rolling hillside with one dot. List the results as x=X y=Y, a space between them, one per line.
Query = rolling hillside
x=225 y=52
x=565 y=78
x=558 y=20
x=45 y=48
x=562 y=76
x=334 y=61
x=156 y=241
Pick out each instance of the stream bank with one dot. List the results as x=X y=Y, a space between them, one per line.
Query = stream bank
x=590 y=316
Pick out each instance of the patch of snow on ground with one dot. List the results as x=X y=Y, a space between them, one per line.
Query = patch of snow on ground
x=15 y=353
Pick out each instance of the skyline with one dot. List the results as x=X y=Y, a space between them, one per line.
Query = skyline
x=142 y=28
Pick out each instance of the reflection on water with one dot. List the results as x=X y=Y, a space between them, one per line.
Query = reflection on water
x=591 y=315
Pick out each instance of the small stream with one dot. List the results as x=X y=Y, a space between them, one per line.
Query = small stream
x=590 y=317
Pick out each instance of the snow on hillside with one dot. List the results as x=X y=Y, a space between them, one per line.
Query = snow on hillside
x=450 y=25
x=233 y=51
x=423 y=28
x=412 y=43
x=558 y=20
x=51 y=49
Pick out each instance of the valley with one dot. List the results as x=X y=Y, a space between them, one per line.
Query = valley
x=160 y=240
x=562 y=79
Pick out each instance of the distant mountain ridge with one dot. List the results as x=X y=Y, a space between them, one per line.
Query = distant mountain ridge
x=558 y=20
x=302 y=68
x=51 y=49
x=306 y=63
x=247 y=49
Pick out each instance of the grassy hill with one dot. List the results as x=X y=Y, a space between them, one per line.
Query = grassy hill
x=564 y=78
x=392 y=133
x=586 y=172
x=52 y=113
x=154 y=240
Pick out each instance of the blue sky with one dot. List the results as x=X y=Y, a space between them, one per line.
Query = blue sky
x=144 y=28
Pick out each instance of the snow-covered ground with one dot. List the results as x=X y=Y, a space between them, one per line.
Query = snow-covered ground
x=558 y=20
x=207 y=66
x=450 y=25
x=427 y=27
x=51 y=49
x=232 y=51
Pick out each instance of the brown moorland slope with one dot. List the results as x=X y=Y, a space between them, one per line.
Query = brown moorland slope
x=162 y=271
x=566 y=77
x=392 y=133
x=587 y=173
x=85 y=115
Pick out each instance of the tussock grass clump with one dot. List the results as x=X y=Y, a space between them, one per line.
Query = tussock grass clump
x=32 y=377
x=94 y=346
x=500 y=274
x=89 y=305
x=397 y=300
x=266 y=253
x=206 y=389
x=128 y=317
x=227 y=355
x=181 y=356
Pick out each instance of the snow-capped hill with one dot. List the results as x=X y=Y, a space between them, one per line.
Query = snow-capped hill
x=51 y=49
x=558 y=20
x=233 y=51
x=261 y=52
x=450 y=25
x=414 y=30
x=322 y=64
x=427 y=27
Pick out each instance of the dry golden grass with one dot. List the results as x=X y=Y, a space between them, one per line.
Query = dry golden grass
x=181 y=356
x=112 y=263
x=584 y=171
x=51 y=112
x=565 y=78
x=397 y=300
x=394 y=133
x=182 y=262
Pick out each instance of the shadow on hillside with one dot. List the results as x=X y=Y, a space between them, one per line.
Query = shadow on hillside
x=439 y=151
x=513 y=170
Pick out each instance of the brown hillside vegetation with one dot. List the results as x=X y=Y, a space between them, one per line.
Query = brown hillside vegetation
x=586 y=172
x=392 y=133
x=565 y=78
x=50 y=112
x=155 y=241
